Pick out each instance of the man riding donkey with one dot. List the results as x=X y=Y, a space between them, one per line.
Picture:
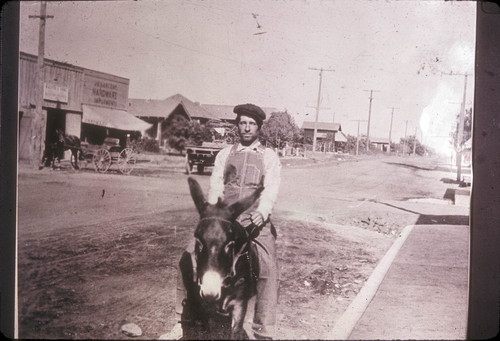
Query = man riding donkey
x=237 y=173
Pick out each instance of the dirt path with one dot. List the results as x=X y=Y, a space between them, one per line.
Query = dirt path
x=97 y=251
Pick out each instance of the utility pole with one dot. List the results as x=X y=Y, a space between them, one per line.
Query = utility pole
x=369 y=117
x=415 y=142
x=460 y=132
x=38 y=123
x=357 y=137
x=390 y=130
x=406 y=136
x=317 y=106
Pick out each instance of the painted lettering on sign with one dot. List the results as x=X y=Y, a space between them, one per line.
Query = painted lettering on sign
x=105 y=93
x=55 y=92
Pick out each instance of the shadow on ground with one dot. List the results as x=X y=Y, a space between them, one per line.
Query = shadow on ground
x=409 y=166
x=442 y=220
x=430 y=219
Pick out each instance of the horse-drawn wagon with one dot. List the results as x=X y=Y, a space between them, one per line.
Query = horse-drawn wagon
x=202 y=156
x=110 y=152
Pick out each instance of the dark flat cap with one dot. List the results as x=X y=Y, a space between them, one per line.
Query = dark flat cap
x=251 y=110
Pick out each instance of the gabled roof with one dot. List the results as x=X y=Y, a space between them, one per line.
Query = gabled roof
x=322 y=126
x=163 y=108
x=220 y=112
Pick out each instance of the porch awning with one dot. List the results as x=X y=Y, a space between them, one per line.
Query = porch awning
x=113 y=118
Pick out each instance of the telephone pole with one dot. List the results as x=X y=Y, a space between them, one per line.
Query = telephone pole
x=317 y=105
x=390 y=130
x=460 y=132
x=406 y=138
x=415 y=141
x=38 y=123
x=369 y=117
x=357 y=137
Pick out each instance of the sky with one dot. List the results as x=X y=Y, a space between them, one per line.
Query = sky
x=413 y=54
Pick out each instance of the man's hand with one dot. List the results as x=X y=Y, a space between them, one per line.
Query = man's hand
x=252 y=222
x=257 y=219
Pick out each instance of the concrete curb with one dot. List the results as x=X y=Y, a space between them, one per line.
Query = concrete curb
x=346 y=323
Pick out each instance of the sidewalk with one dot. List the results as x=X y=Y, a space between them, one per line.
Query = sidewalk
x=421 y=295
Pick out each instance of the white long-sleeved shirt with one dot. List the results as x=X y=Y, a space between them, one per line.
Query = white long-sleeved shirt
x=272 y=177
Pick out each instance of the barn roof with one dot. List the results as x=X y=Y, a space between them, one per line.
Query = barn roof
x=307 y=125
x=163 y=108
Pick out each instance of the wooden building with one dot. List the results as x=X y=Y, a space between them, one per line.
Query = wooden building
x=380 y=143
x=82 y=102
x=325 y=131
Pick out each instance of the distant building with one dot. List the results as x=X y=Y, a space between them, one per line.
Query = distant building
x=160 y=113
x=381 y=144
x=86 y=103
x=324 y=130
x=340 y=142
x=325 y=134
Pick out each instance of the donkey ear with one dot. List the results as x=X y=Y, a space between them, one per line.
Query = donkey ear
x=243 y=204
x=197 y=195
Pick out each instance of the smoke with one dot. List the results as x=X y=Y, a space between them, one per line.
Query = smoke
x=437 y=119
x=461 y=57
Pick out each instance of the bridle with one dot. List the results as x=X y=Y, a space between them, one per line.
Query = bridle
x=236 y=255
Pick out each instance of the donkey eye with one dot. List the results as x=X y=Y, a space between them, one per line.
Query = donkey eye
x=229 y=246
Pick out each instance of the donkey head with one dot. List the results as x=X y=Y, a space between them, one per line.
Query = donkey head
x=60 y=135
x=216 y=240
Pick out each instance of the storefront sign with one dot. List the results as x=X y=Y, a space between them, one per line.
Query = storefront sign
x=105 y=92
x=55 y=92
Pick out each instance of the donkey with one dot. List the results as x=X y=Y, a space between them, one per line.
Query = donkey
x=225 y=276
x=65 y=142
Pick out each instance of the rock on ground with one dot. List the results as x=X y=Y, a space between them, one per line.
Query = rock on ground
x=131 y=329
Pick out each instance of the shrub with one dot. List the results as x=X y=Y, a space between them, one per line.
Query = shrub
x=146 y=144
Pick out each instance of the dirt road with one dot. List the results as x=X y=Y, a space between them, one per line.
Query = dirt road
x=97 y=251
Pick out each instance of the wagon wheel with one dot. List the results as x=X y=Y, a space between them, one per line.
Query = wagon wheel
x=127 y=160
x=189 y=165
x=101 y=160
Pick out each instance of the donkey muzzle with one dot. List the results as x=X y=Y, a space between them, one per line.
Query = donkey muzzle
x=211 y=285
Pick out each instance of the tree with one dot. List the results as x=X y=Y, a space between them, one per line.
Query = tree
x=199 y=133
x=351 y=144
x=279 y=130
x=407 y=144
x=181 y=132
x=177 y=133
